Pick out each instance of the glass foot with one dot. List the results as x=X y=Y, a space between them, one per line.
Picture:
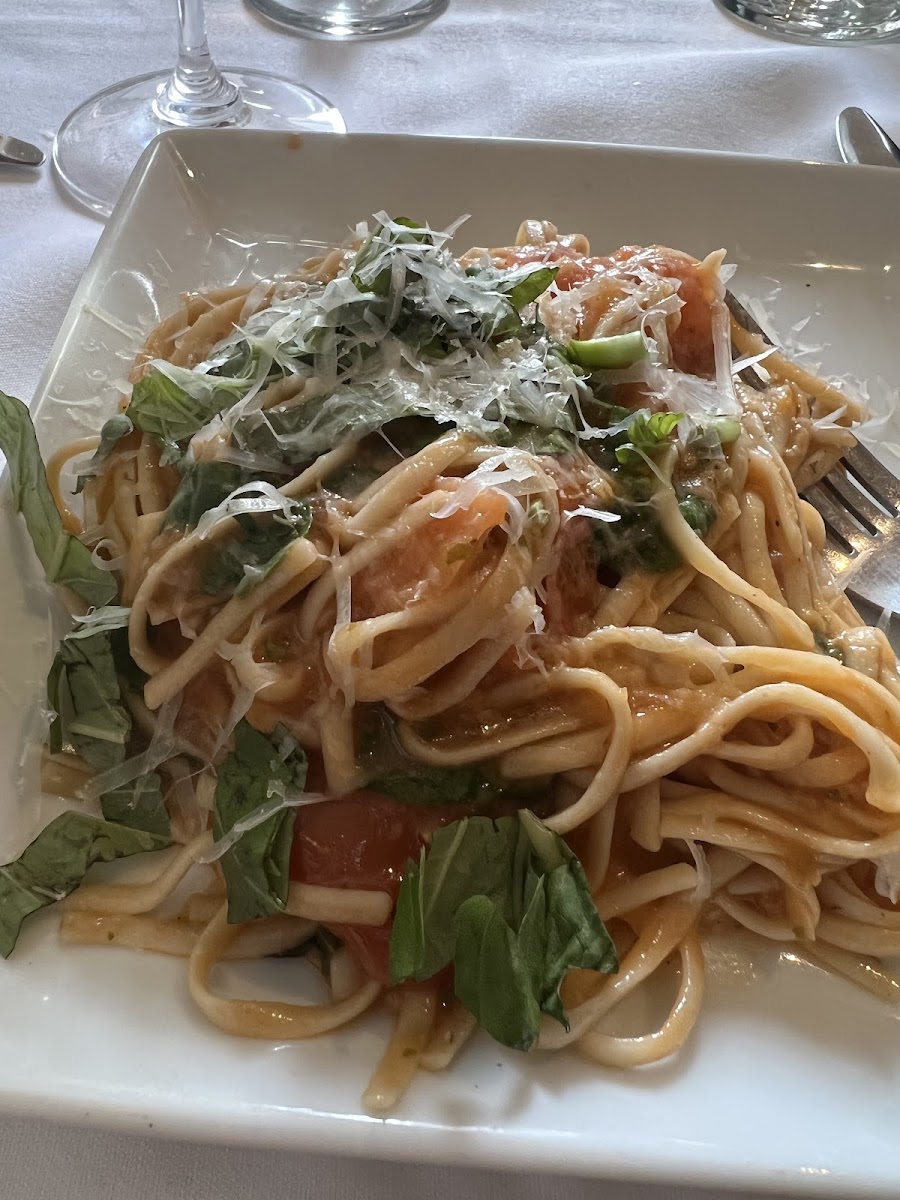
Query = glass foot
x=349 y=20
x=821 y=21
x=99 y=143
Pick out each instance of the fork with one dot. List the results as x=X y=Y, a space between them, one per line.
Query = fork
x=859 y=502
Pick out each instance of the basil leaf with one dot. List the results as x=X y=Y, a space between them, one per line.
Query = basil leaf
x=111 y=434
x=367 y=274
x=64 y=559
x=139 y=805
x=491 y=979
x=83 y=692
x=466 y=858
x=408 y=947
x=428 y=785
x=508 y=903
x=171 y=414
x=536 y=440
x=297 y=433
x=390 y=770
x=204 y=485
x=55 y=864
x=636 y=542
x=239 y=564
x=523 y=286
x=257 y=865
x=699 y=513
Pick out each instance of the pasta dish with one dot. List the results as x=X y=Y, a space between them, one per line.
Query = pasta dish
x=457 y=625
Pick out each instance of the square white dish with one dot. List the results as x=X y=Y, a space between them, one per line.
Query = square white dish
x=792 y=1079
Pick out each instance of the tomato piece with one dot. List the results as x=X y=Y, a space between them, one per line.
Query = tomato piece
x=363 y=840
x=571 y=592
x=692 y=342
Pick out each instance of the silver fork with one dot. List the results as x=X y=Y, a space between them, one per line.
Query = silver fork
x=859 y=501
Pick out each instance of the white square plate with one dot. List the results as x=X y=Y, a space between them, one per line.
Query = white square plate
x=792 y=1079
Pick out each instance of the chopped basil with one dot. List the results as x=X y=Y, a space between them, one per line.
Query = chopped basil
x=508 y=904
x=173 y=409
x=84 y=694
x=257 y=773
x=636 y=542
x=55 y=863
x=390 y=770
x=237 y=564
x=64 y=559
x=139 y=804
x=111 y=434
x=203 y=486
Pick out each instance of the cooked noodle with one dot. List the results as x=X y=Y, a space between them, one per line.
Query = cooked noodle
x=720 y=737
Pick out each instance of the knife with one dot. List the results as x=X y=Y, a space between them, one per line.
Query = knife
x=16 y=153
x=862 y=140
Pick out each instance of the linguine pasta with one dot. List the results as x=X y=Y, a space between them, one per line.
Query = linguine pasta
x=458 y=624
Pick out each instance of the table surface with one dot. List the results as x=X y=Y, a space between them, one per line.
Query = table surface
x=652 y=72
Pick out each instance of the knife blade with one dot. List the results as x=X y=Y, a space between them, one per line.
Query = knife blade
x=861 y=140
x=16 y=153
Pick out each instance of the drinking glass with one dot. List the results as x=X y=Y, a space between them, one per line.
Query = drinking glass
x=821 y=20
x=349 y=19
x=98 y=144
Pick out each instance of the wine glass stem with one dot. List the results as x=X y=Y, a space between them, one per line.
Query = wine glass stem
x=197 y=93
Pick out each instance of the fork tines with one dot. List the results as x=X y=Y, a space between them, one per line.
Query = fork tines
x=858 y=500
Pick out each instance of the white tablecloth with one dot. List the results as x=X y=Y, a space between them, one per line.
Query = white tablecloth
x=664 y=72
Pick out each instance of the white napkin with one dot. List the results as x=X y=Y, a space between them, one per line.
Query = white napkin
x=664 y=72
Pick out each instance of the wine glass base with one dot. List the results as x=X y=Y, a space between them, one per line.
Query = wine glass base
x=815 y=21
x=349 y=20
x=99 y=143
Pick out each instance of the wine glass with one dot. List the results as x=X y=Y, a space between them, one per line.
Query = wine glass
x=349 y=20
x=826 y=21
x=98 y=144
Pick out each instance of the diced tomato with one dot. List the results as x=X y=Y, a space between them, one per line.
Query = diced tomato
x=362 y=840
x=692 y=344
x=393 y=580
x=571 y=592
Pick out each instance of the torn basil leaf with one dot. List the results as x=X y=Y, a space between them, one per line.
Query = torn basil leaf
x=83 y=691
x=171 y=412
x=508 y=904
x=239 y=563
x=637 y=541
x=258 y=772
x=388 y=769
x=298 y=433
x=203 y=486
x=64 y=559
x=111 y=434
x=55 y=863
x=139 y=805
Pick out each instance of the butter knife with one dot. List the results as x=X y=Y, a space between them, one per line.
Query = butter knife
x=862 y=140
x=16 y=153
